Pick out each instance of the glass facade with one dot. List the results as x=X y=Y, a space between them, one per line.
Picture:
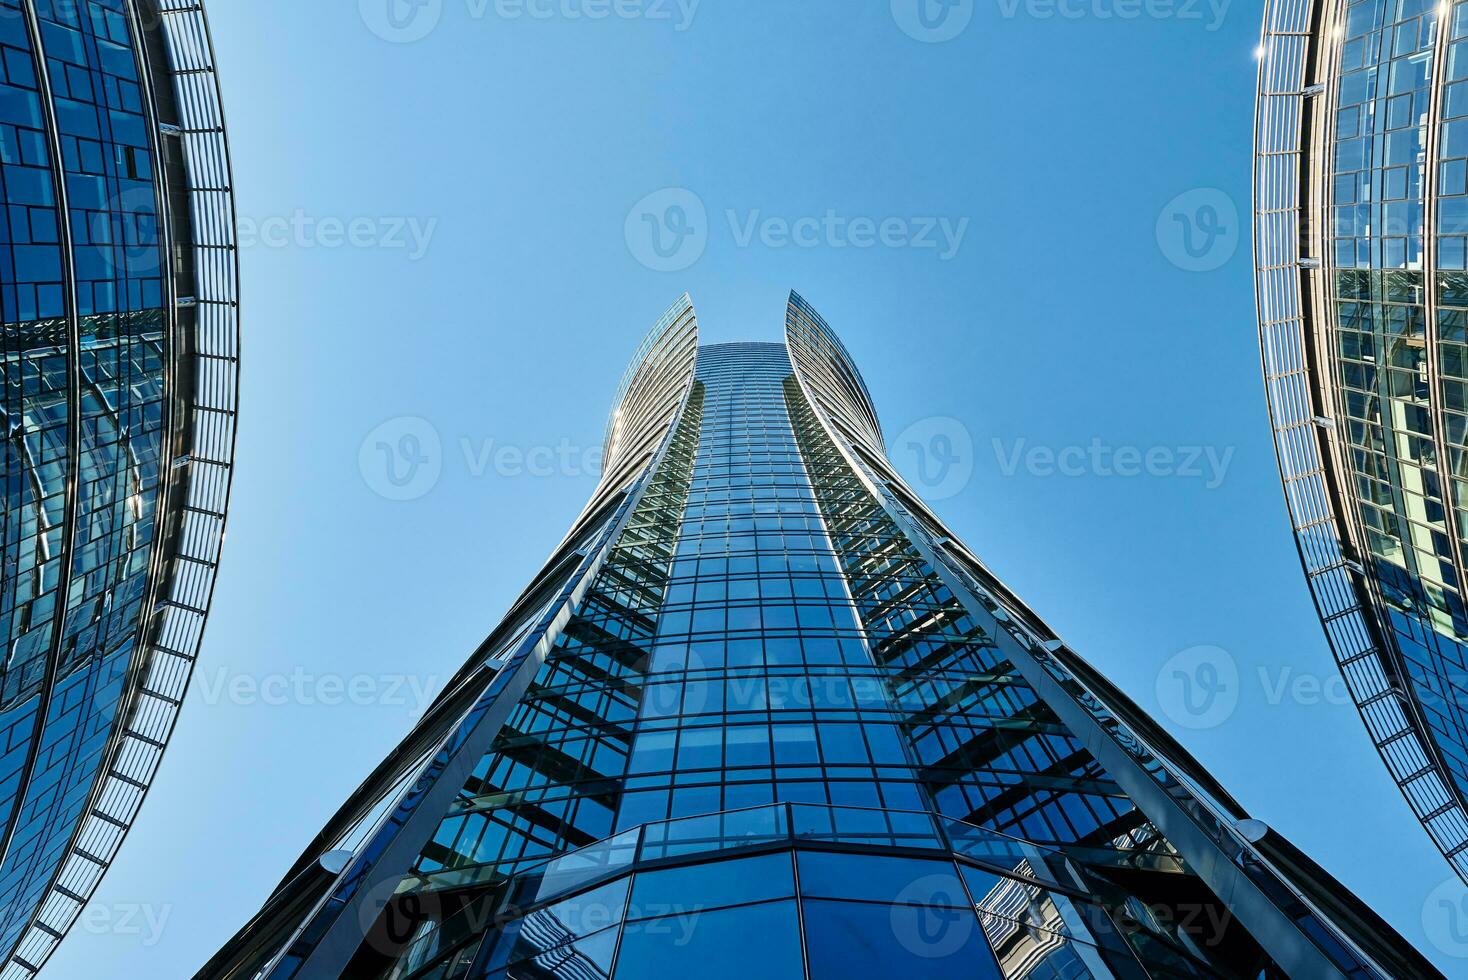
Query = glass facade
x=99 y=406
x=1362 y=219
x=784 y=725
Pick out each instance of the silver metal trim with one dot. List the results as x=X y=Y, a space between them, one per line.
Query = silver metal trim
x=1284 y=229
x=200 y=493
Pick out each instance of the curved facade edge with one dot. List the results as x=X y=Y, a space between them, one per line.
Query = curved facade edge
x=1169 y=788
x=646 y=407
x=648 y=402
x=198 y=216
x=829 y=373
x=651 y=400
x=1290 y=265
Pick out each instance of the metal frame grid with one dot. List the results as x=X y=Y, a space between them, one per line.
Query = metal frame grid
x=1319 y=519
x=1138 y=754
x=654 y=394
x=201 y=481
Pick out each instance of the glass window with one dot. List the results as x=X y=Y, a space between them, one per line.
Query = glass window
x=911 y=881
x=570 y=920
x=707 y=886
x=734 y=944
x=847 y=939
x=589 y=959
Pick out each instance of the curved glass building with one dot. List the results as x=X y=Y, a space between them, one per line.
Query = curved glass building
x=117 y=401
x=762 y=715
x=1361 y=241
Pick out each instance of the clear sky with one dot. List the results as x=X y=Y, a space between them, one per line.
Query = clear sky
x=989 y=222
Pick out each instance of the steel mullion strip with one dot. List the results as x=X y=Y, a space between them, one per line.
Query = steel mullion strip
x=73 y=404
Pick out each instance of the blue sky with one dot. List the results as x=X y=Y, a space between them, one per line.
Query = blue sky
x=1028 y=235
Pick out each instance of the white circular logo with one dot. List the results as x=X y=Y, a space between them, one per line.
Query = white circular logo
x=931 y=917
x=937 y=457
x=388 y=922
x=401 y=21
x=1199 y=687
x=668 y=230
x=401 y=459
x=1445 y=918
x=933 y=21
x=1198 y=231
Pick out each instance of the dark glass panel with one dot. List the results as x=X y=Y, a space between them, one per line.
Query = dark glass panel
x=760 y=941
x=847 y=940
x=825 y=874
x=709 y=886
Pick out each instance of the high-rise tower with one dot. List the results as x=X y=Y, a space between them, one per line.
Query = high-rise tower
x=762 y=715
x=1361 y=241
x=117 y=400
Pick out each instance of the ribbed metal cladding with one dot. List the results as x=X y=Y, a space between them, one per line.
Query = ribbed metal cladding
x=1293 y=266
x=1177 y=795
x=639 y=725
x=653 y=395
x=649 y=397
x=197 y=227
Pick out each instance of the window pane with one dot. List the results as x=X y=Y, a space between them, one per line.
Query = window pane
x=709 y=886
x=589 y=959
x=880 y=879
x=847 y=939
x=736 y=944
x=567 y=921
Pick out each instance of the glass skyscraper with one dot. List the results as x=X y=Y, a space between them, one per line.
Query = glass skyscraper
x=117 y=398
x=762 y=715
x=1361 y=241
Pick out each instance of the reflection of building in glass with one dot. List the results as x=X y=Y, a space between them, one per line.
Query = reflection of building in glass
x=761 y=714
x=1023 y=927
x=1361 y=224
x=117 y=393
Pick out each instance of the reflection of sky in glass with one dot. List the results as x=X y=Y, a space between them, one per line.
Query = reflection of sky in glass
x=529 y=265
x=75 y=573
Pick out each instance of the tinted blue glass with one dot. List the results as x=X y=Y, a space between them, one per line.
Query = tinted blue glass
x=880 y=879
x=101 y=568
x=583 y=960
x=708 y=886
x=760 y=941
x=590 y=958
x=847 y=940
x=570 y=920
x=980 y=883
